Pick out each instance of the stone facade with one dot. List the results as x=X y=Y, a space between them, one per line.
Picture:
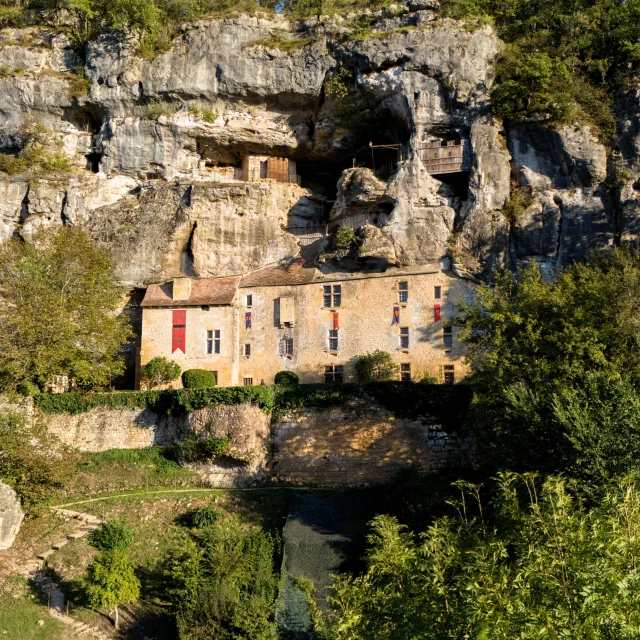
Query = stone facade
x=280 y=318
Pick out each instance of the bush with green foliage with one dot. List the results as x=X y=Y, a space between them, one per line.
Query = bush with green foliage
x=344 y=238
x=29 y=461
x=539 y=565
x=111 y=582
x=224 y=583
x=195 y=449
x=198 y=379
x=159 y=371
x=375 y=366
x=28 y=388
x=60 y=312
x=286 y=378
x=114 y=534
x=205 y=517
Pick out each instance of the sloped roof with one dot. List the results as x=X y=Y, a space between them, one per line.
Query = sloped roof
x=292 y=272
x=211 y=291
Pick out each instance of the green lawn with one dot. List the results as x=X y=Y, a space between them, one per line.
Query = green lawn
x=19 y=620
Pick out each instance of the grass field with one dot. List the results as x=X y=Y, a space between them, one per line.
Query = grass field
x=20 y=613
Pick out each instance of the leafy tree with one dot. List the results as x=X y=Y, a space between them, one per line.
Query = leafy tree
x=224 y=584
x=111 y=582
x=60 y=312
x=540 y=349
x=114 y=534
x=542 y=566
x=198 y=379
x=375 y=366
x=159 y=371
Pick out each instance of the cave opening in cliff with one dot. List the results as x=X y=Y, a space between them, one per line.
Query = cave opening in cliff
x=93 y=161
x=320 y=176
x=454 y=185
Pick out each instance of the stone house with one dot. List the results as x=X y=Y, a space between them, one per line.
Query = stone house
x=291 y=317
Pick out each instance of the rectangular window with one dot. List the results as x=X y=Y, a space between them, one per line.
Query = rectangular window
x=403 y=291
x=249 y=301
x=205 y=307
x=437 y=292
x=286 y=346
x=333 y=340
x=213 y=341
x=247 y=382
x=246 y=349
x=179 y=330
x=334 y=373
x=332 y=296
x=449 y=374
x=404 y=337
x=447 y=337
x=405 y=372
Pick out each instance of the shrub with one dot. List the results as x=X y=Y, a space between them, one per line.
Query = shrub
x=344 y=238
x=159 y=371
x=195 y=449
x=28 y=388
x=223 y=583
x=205 y=517
x=375 y=366
x=115 y=534
x=337 y=85
x=198 y=379
x=286 y=378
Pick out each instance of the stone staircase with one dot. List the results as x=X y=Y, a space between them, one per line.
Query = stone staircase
x=34 y=571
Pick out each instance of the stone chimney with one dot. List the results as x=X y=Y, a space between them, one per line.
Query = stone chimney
x=181 y=288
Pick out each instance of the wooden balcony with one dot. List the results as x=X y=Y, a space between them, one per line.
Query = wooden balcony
x=452 y=156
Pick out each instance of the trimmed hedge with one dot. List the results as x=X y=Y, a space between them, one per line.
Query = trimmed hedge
x=198 y=379
x=168 y=401
x=446 y=404
x=286 y=378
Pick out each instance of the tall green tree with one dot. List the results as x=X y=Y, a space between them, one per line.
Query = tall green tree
x=541 y=566
x=539 y=353
x=59 y=311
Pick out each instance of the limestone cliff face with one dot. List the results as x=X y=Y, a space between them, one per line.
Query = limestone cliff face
x=154 y=147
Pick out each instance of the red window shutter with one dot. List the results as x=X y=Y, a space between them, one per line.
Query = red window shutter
x=336 y=322
x=436 y=313
x=178 y=334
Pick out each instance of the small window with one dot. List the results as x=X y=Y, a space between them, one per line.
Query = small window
x=403 y=291
x=334 y=373
x=447 y=337
x=205 y=307
x=332 y=296
x=246 y=349
x=449 y=374
x=286 y=347
x=249 y=301
x=404 y=337
x=247 y=382
x=405 y=372
x=333 y=340
x=437 y=292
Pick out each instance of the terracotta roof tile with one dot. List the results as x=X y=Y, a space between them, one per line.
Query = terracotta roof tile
x=213 y=291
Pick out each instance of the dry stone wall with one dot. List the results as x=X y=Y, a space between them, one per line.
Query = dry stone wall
x=356 y=444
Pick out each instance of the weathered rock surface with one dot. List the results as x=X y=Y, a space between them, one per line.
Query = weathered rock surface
x=10 y=516
x=153 y=145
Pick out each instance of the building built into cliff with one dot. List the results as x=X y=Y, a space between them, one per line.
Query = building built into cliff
x=291 y=317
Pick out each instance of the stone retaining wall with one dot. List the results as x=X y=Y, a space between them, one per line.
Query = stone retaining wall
x=356 y=444
x=360 y=444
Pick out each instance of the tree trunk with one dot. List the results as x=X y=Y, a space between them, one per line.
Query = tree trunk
x=116 y=617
